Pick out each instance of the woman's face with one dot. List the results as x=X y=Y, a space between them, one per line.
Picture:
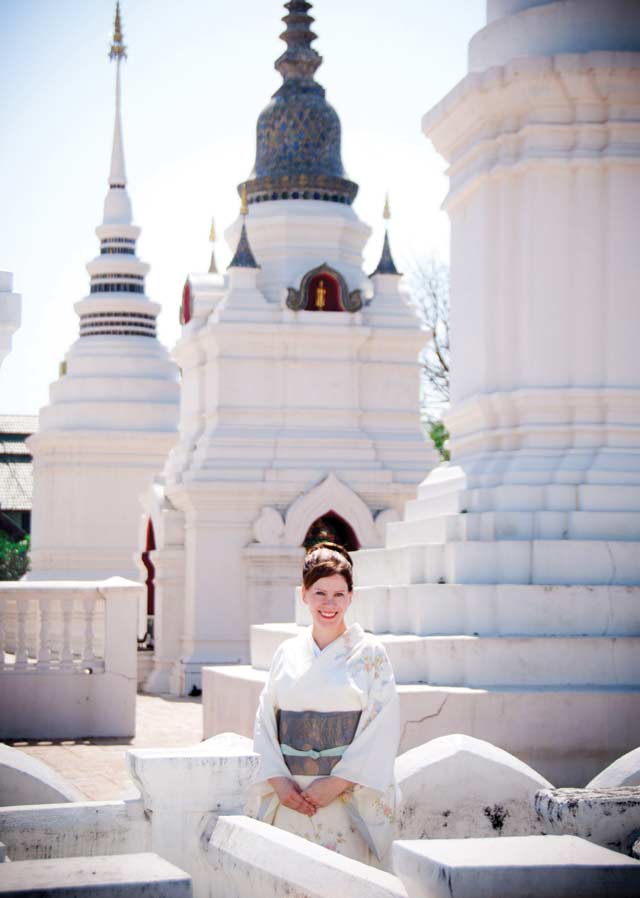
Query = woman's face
x=328 y=599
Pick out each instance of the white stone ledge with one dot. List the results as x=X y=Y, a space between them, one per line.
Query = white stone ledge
x=250 y=858
x=516 y=867
x=78 y=829
x=119 y=876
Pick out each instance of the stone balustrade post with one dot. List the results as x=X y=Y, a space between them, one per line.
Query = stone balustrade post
x=185 y=790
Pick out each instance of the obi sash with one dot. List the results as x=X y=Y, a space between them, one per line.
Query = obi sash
x=312 y=742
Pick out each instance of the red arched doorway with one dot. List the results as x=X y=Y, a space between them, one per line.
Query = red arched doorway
x=331 y=528
x=150 y=545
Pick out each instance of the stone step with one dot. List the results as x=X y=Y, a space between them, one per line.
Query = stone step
x=495 y=610
x=124 y=875
x=514 y=867
x=566 y=733
x=435 y=499
x=479 y=661
x=515 y=525
x=554 y=562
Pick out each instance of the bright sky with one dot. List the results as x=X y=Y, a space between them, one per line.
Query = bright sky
x=198 y=74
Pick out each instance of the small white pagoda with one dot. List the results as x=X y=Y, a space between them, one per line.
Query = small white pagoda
x=299 y=407
x=112 y=414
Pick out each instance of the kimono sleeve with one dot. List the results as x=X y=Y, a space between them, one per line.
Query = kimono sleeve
x=265 y=734
x=369 y=760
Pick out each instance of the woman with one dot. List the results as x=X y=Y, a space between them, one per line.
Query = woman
x=327 y=725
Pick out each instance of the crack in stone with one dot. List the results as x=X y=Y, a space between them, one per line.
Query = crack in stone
x=614 y=572
x=422 y=719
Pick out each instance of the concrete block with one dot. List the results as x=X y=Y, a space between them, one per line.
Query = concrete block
x=514 y=867
x=27 y=780
x=118 y=876
x=186 y=789
x=609 y=817
x=75 y=829
x=249 y=858
x=456 y=786
x=624 y=771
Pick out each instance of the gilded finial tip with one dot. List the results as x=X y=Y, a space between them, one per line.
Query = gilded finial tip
x=244 y=207
x=386 y=214
x=212 y=232
x=118 y=49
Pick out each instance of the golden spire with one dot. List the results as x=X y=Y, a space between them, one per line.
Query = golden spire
x=118 y=50
x=387 y=211
x=212 y=232
x=244 y=208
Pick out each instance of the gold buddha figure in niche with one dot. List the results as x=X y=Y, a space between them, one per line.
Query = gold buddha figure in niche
x=321 y=295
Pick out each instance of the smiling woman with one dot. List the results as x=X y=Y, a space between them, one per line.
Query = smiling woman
x=327 y=725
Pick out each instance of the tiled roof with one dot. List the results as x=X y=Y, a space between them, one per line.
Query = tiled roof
x=25 y=424
x=16 y=472
x=16 y=483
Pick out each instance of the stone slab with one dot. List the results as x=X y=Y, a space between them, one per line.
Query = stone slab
x=608 y=817
x=251 y=859
x=514 y=867
x=118 y=876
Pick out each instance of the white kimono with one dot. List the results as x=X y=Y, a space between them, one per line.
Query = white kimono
x=352 y=674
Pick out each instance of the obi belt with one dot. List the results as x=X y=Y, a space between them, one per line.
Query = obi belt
x=312 y=742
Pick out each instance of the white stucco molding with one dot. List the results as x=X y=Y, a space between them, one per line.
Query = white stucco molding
x=330 y=495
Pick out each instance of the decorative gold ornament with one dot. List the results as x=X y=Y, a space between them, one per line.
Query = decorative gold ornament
x=386 y=214
x=118 y=49
x=244 y=207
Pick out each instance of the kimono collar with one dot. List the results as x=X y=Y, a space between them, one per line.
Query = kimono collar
x=345 y=643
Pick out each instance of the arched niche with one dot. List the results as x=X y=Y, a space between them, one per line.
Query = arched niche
x=323 y=289
x=330 y=497
x=333 y=528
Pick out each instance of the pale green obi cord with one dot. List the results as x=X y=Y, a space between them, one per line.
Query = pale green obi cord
x=336 y=752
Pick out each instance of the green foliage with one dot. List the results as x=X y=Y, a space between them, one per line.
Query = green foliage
x=14 y=557
x=439 y=434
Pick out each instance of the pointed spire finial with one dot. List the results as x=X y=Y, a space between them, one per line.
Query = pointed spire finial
x=386 y=265
x=299 y=60
x=212 y=232
x=244 y=208
x=118 y=49
x=243 y=256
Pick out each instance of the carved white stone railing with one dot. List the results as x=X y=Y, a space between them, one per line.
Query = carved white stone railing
x=39 y=628
x=68 y=658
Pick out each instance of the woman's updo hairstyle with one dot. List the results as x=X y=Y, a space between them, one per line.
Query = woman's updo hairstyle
x=324 y=560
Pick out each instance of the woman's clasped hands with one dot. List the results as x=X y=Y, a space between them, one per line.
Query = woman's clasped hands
x=318 y=794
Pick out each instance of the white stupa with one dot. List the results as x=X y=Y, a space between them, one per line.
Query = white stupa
x=112 y=413
x=299 y=408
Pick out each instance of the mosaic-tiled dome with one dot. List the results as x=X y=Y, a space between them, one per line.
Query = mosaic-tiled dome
x=298 y=134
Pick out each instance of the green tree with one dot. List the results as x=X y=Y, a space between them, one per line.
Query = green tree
x=14 y=557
